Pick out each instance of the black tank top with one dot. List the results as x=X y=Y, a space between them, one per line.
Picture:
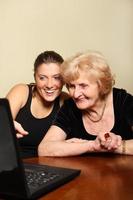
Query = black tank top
x=37 y=128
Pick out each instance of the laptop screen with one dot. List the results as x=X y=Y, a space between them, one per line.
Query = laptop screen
x=7 y=151
x=10 y=173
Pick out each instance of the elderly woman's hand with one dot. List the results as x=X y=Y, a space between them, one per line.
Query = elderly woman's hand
x=108 y=141
x=20 y=131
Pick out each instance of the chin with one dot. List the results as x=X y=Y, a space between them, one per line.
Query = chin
x=50 y=98
x=81 y=107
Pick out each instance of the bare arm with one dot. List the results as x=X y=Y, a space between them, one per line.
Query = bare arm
x=17 y=97
x=55 y=144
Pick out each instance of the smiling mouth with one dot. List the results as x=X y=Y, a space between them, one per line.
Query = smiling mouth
x=49 y=91
x=79 y=100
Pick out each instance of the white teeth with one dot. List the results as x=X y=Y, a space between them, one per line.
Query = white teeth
x=49 y=92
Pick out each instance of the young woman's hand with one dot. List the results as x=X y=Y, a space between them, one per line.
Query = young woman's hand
x=20 y=131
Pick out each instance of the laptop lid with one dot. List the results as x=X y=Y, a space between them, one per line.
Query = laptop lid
x=12 y=179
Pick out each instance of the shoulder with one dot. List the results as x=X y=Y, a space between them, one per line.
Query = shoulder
x=19 y=93
x=63 y=96
x=123 y=100
x=19 y=87
x=122 y=95
x=127 y=106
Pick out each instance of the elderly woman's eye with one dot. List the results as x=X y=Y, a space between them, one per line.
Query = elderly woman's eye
x=83 y=85
x=57 y=77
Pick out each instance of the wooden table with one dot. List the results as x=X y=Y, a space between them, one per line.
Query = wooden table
x=103 y=177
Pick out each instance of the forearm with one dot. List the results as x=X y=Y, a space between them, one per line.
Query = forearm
x=126 y=147
x=64 y=148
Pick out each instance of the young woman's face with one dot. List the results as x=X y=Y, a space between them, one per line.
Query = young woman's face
x=84 y=91
x=48 y=81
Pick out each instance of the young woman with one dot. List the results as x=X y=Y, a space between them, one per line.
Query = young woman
x=34 y=106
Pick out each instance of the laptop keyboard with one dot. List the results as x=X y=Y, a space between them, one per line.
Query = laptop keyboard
x=46 y=178
x=37 y=178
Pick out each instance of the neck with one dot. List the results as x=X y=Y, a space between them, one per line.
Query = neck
x=96 y=114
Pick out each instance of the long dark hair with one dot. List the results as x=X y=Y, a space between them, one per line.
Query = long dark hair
x=47 y=57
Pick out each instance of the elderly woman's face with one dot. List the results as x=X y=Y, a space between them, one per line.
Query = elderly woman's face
x=84 y=91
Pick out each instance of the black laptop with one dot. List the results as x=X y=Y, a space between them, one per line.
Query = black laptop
x=19 y=180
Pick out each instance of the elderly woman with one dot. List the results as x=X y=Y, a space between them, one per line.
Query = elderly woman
x=97 y=117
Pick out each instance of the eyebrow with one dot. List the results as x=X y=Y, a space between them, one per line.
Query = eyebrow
x=52 y=74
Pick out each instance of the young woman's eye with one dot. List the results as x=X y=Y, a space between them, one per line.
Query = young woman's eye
x=42 y=78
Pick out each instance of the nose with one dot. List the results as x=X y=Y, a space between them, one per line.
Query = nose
x=49 y=83
x=76 y=92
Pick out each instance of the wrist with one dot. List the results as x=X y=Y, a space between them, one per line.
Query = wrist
x=123 y=146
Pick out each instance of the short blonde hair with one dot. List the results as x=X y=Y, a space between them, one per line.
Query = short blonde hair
x=94 y=65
